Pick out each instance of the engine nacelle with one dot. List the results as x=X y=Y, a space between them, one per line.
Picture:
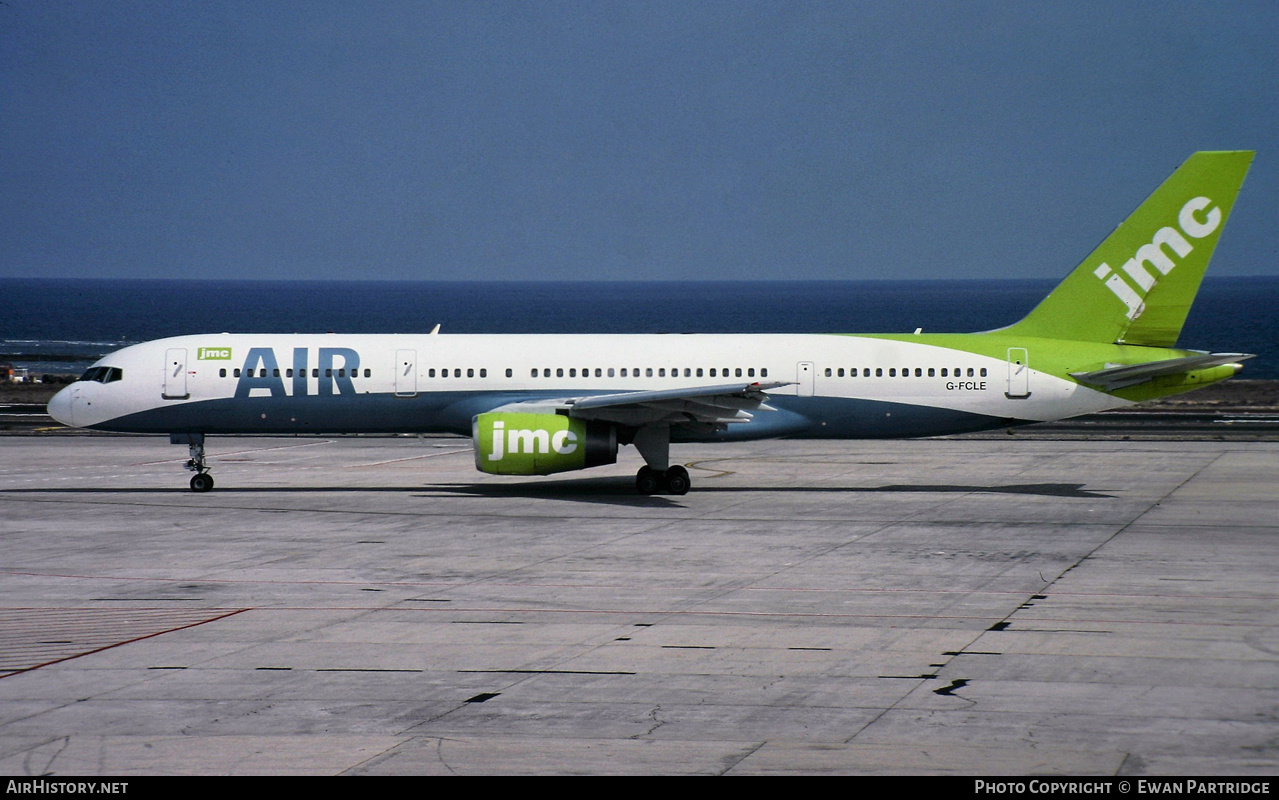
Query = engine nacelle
x=540 y=444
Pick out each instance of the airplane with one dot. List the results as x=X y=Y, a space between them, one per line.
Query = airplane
x=1104 y=338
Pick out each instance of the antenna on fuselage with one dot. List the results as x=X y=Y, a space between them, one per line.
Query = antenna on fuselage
x=436 y=329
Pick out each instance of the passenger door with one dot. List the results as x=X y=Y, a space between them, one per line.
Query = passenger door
x=804 y=377
x=175 y=374
x=405 y=373
x=1018 y=373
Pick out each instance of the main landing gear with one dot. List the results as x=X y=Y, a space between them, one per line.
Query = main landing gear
x=657 y=475
x=201 y=481
x=672 y=481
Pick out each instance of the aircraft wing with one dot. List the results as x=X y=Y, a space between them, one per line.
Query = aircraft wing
x=1118 y=376
x=701 y=405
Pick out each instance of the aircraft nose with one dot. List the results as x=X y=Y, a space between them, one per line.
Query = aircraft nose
x=60 y=406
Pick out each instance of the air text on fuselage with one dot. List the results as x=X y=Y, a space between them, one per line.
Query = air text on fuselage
x=329 y=374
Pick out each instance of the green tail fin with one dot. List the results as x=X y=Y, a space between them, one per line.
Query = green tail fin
x=1137 y=286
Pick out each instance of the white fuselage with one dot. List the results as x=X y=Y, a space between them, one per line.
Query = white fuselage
x=837 y=386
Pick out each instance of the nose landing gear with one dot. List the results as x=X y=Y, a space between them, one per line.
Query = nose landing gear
x=201 y=481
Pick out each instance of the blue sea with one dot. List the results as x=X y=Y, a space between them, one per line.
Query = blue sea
x=62 y=326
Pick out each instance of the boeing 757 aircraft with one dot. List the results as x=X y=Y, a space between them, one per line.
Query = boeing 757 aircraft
x=540 y=404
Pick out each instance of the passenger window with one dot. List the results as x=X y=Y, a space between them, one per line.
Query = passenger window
x=623 y=372
x=739 y=372
x=430 y=373
x=919 y=373
x=750 y=373
x=368 y=373
x=315 y=372
x=879 y=372
x=892 y=372
x=699 y=372
x=341 y=372
x=559 y=372
x=222 y=372
x=661 y=372
x=648 y=372
x=712 y=372
x=598 y=372
x=328 y=373
x=983 y=372
x=970 y=372
x=610 y=372
x=763 y=372
x=237 y=372
x=470 y=372
x=828 y=372
x=931 y=372
x=572 y=372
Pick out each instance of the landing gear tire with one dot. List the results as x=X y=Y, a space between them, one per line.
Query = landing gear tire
x=673 y=481
x=201 y=482
x=676 y=481
x=648 y=480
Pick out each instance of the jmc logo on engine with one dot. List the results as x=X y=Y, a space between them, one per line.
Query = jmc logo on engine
x=527 y=444
x=540 y=444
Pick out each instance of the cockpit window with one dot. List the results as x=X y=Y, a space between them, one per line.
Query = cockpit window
x=103 y=374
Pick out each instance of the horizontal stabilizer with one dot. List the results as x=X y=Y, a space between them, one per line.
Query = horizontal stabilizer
x=1118 y=376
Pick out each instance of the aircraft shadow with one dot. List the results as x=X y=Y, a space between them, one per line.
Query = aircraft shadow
x=619 y=491
x=581 y=490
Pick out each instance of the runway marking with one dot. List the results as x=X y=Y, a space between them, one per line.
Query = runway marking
x=24 y=645
x=212 y=456
x=608 y=587
x=680 y=613
x=411 y=458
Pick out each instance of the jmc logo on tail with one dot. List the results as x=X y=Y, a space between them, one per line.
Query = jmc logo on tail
x=1154 y=254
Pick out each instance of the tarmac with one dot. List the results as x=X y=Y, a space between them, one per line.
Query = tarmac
x=1006 y=605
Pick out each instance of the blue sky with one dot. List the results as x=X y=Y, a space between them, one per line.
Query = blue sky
x=616 y=140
